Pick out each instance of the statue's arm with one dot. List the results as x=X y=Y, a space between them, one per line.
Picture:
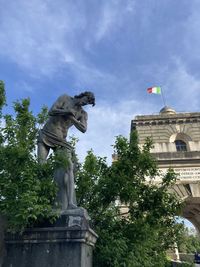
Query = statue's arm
x=59 y=107
x=81 y=123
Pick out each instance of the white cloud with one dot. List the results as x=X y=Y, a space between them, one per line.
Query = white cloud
x=37 y=36
x=104 y=124
x=110 y=13
x=42 y=36
x=112 y=17
x=183 y=87
x=192 y=32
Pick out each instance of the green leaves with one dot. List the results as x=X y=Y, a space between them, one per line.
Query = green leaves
x=148 y=228
x=2 y=95
x=189 y=241
x=27 y=190
x=43 y=115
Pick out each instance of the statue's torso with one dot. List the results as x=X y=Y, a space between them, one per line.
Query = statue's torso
x=58 y=125
x=56 y=128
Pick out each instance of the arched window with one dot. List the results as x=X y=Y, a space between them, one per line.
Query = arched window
x=180 y=145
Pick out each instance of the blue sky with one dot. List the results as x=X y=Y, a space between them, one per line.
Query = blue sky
x=115 y=48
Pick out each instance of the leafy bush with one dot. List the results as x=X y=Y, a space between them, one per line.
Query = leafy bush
x=27 y=190
x=143 y=234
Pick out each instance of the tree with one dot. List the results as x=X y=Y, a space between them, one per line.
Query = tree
x=27 y=190
x=189 y=241
x=142 y=236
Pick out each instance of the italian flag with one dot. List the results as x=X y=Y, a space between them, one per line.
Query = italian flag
x=154 y=90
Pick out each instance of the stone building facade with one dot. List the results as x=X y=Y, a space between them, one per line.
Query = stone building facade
x=176 y=138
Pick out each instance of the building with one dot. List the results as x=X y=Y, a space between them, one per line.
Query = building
x=176 y=138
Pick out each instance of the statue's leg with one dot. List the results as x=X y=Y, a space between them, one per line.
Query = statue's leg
x=69 y=183
x=42 y=152
x=61 y=201
x=64 y=177
x=61 y=198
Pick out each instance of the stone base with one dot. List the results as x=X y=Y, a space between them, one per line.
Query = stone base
x=68 y=245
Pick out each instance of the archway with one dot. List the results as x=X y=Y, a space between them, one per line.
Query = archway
x=189 y=192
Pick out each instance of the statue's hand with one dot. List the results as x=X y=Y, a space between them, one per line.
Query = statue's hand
x=72 y=117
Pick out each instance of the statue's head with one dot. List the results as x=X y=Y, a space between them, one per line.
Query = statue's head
x=86 y=98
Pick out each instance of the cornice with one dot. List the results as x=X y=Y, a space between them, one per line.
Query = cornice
x=156 y=120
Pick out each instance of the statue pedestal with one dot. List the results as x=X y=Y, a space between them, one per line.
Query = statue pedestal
x=68 y=243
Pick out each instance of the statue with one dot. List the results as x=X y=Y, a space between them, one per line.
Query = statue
x=65 y=112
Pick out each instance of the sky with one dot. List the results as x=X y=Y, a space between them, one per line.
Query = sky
x=114 y=48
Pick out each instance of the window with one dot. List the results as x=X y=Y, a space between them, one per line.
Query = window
x=180 y=145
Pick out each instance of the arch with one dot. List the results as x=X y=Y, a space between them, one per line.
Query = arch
x=189 y=193
x=195 y=224
x=180 y=136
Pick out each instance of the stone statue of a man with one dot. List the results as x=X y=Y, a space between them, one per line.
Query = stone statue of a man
x=65 y=112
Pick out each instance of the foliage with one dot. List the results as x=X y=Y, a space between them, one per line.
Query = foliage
x=26 y=187
x=2 y=95
x=189 y=242
x=141 y=236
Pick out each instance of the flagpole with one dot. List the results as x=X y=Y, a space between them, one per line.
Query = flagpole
x=162 y=95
